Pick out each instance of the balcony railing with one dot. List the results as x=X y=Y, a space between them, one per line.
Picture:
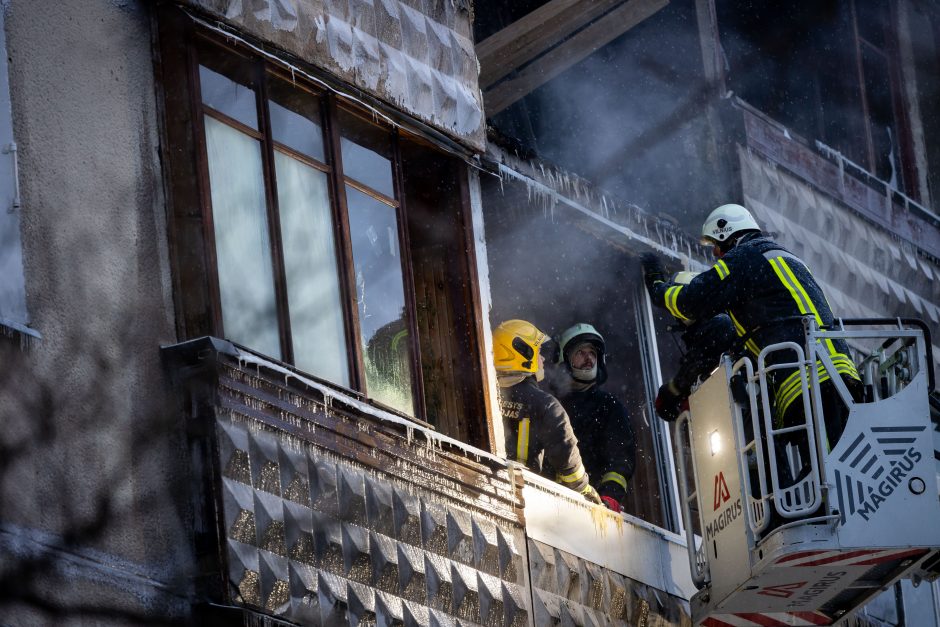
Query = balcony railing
x=316 y=508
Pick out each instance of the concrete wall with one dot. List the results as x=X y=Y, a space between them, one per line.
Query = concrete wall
x=93 y=523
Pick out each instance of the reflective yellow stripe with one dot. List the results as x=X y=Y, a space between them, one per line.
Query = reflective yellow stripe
x=722 y=269
x=522 y=443
x=751 y=345
x=792 y=286
x=616 y=477
x=802 y=291
x=672 y=294
x=792 y=387
x=810 y=306
x=574 y=477
x=396 y=340
x=845 y=366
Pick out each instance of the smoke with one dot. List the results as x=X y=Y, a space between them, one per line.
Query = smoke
x=630 y=118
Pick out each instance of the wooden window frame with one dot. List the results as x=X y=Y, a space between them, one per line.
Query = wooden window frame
x=906 y=161
x=262 y=71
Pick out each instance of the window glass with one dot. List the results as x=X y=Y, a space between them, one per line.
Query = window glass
x=380 y=293
x=12 y=279
x=228 y=97
x=295 y=120
x=880 y=114
x=873 y=20
x=242 y=243
x=313 y=291
x=367 y=153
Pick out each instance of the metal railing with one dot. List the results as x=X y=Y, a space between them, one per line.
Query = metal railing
x=698 y=561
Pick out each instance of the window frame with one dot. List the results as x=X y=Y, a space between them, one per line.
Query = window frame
x=906 y=174
x=261 y=71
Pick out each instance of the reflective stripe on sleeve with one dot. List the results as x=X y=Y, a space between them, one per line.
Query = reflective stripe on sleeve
x=722 y=269
x=522 y=442
x=672 y=294
x=574 y=477
x=616 y=477
x=750 y=345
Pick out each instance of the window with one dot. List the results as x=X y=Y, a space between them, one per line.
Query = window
x=829 y=71
x=13 y=314
x=555 y=268
x=306 y=229
x=270 y=170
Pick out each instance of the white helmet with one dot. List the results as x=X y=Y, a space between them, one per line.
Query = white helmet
x=722 y=223
x=573 y=337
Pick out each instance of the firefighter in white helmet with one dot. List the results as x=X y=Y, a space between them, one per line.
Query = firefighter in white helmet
x=601 y=422
x=766 y=290
x=538 y=431
x=704 y=342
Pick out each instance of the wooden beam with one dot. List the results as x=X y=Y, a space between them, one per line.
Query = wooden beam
x=528 y=37
x=575 y=49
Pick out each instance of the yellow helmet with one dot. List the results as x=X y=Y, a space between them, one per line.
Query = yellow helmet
x=516 y=346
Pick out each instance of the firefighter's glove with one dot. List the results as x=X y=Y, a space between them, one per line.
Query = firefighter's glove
x=653 y=272
x=668 y=402
x=591 y=495
x=612 y=504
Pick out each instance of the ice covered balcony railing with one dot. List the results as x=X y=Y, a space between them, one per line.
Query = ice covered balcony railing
x=316 y=508
x=828 y=170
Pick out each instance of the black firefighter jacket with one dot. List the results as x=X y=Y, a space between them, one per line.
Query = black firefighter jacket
x=539 y=434
x=765 y=289
x=704 y=340
x=607 y=440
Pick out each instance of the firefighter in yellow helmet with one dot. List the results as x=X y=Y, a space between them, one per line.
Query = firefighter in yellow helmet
x=538 y=432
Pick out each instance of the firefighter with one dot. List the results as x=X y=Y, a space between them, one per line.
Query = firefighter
x=599 y=419
x=766 y=291
x=704 y=342
x=538 y=432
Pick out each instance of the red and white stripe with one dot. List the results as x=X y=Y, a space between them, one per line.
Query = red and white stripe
x=861 y=557
x=767 y=619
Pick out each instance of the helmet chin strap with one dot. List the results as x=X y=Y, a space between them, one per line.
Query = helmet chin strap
x=585 y=375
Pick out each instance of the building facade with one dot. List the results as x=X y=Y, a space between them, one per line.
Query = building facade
x=253 y=251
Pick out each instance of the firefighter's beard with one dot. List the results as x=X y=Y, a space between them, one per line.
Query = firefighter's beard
x=584 y=375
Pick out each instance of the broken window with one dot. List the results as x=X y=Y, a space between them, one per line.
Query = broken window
x=827 y=70
x=325 y=236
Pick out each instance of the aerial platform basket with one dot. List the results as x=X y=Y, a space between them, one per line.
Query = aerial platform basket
x=792 y=534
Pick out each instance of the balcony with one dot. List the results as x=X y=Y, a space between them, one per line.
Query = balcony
x=314 y=507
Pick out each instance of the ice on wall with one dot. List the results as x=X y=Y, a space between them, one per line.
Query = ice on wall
x=421 y=62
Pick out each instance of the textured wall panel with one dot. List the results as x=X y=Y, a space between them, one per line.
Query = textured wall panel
x=316 y=537
x=332 y=517
x=417 y=56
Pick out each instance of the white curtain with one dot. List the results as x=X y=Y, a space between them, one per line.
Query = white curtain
x=313 y=291
x=242 y=241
